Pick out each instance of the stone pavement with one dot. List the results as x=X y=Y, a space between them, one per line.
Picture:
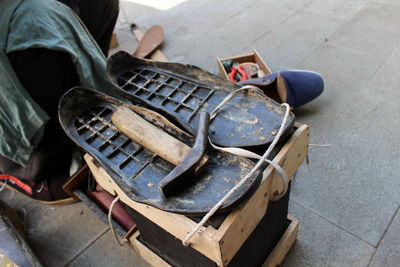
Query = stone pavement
x=348 y=206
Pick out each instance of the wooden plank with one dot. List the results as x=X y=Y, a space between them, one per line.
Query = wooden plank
x=75 y=180
x=176 y=224
x=242 y=58
x=274 y=258
x=250 y=57
x=147 y=254
x=6 y=262
x=285 y=243
x=240 y=224
x=297 y=151
x=222 y=244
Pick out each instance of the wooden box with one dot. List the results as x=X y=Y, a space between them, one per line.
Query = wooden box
x=251 y=57
x=253 y=251
x=220 y=244
x=274 y=258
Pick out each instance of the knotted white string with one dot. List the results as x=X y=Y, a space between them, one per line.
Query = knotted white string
x=232 y=95
x=248 y=154
x=3 y=185
x=110 y=222
x=185 y=241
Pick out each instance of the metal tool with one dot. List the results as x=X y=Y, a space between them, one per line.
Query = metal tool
x=234 y=70
x=184 y=172
x=150 y=136
x=188 y=160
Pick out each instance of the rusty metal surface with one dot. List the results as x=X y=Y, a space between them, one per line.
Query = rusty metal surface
x=181 y=91
x=85 y=116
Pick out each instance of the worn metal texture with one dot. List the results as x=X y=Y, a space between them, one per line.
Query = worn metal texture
x=181 y=91
x=85 y=116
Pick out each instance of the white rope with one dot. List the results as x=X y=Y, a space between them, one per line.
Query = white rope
x=233 y=94
x=3 y=185
x=110 y=222
x=248 y=154
x=185 y=241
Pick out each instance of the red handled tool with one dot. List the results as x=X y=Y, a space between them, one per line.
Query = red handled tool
x=235 y=69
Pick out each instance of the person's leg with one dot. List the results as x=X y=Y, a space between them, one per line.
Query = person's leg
x=100 y=17
x=46 y=75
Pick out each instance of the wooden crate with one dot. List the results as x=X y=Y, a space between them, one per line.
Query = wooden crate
x=254 y=57
x=275 y=257
x=251 y=57
x=220 y=245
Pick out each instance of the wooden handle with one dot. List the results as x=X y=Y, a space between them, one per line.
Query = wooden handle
x=151 y=137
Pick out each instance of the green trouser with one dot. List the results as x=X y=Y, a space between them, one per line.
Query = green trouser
x=47 y=75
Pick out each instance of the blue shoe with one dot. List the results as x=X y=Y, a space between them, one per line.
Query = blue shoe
x=295 y=87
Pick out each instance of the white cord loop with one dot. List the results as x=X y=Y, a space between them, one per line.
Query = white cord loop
x=110 y=222
x=232 y=95
x=248 y=154
x=258 y=165
x=3 y=185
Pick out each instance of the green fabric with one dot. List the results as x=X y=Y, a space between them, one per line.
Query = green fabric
x=45 y=24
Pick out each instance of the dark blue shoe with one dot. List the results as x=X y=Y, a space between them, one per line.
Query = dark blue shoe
x=295 y=87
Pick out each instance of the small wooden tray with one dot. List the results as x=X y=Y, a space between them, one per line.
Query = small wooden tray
x=253 y=57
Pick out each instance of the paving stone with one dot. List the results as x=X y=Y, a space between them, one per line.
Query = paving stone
x=131 y=11
x=345 y=72
x=59 y=233
x=298 y=5
x=126 y=37
x=15 y=200
x=192 y=37
x=321 y=243
x=388 y=253
x=386 y=80
x=128 y=46
x=373 y=30
x=388 y=2
x=231 y=37
x=291 y=42
x=107 y=252
x=339 y=8
x=354 y=183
